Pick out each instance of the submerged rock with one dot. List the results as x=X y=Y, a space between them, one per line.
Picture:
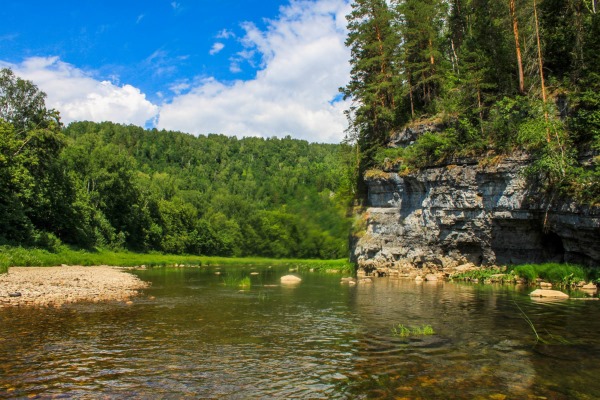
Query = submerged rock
x=554 y=294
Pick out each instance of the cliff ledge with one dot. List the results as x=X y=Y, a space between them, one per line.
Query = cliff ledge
x=436 y=219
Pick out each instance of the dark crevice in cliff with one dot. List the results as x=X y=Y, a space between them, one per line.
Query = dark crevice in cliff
x=438 y=218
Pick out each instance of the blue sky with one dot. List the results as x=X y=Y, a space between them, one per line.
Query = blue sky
x=246 y=68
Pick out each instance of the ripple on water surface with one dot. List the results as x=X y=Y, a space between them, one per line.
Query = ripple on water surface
x=201 y=339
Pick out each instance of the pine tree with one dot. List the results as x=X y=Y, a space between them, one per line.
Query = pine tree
x=373 y=82
x=421 y=25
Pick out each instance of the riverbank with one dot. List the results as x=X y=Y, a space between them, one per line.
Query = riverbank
x=55 y=286
x=24 y=257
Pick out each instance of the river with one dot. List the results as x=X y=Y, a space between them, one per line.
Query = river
x=192 y=336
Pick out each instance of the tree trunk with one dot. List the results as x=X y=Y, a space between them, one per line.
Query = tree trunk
x=541 y=68
x=513 y=14
x=410 y=94
x=480 y=108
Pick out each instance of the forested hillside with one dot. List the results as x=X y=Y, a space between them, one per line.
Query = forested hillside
x=496 y=76
x=108 y=185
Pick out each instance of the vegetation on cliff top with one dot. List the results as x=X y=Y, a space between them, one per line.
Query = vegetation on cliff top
x=498 y=76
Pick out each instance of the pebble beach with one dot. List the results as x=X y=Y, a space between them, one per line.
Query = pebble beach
x=55 y=286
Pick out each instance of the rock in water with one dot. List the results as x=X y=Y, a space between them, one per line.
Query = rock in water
x=290 y=279
x=554 y=294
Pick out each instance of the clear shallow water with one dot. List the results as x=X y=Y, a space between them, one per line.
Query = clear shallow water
x=201 y=339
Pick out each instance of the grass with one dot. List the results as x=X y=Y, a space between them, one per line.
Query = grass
x=482 y=275
x=553 y=339
x=402 y=330
x=237 y=280
x=558 y=274
x=19 y=256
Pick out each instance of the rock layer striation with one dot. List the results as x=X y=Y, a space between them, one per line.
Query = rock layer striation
x=438 y=218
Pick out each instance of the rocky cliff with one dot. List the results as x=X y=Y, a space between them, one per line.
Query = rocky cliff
x=439 y=218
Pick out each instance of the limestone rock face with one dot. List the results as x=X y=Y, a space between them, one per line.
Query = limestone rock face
x=410 y=134
x=440 y=218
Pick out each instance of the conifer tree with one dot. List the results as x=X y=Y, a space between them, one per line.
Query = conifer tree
x=373 y=82
x=421 y=25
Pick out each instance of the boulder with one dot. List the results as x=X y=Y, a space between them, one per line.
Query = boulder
x=290 y=279
x=554 y=294
x=431 y=278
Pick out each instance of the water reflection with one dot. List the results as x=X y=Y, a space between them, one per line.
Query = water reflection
x=192 y=336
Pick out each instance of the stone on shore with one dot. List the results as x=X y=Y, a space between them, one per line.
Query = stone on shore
x=553 y=294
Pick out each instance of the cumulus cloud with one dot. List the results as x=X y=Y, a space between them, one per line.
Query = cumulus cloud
x=78 y=96
x=303 y=62
x=217 y=47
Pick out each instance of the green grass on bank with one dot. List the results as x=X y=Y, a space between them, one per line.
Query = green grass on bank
x=561 y=274
x=19 y=256
x=555 y=273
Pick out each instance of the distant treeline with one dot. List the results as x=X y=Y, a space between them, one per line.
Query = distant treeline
x=115 y=186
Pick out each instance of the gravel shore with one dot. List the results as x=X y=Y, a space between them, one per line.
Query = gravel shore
x=55 y=286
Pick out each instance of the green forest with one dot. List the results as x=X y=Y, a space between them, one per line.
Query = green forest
x=496 y=76
x=103 y=185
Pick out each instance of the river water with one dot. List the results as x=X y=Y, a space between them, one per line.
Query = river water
x=192 y=336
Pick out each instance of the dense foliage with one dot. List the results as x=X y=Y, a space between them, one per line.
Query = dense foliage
x=498 y=76
x=108 y=185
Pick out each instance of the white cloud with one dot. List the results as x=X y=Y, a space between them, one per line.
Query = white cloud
x=217 y=47
x=225 y=34
x=80 y=97
x=179 y=87
x=304 y=61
